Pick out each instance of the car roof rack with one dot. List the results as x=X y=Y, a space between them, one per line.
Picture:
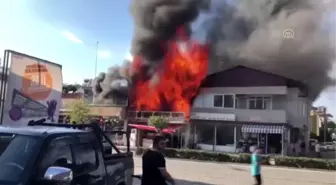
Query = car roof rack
x=93 y=126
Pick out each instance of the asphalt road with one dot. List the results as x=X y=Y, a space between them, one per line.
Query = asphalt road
x=206 y=173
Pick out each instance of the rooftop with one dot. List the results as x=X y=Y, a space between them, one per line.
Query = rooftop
x=37 y=130
x=256 y=77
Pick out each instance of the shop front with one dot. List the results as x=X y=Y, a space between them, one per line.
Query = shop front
x=213 y=132
x=274 y=139
x=142 y=133
x=222 y=133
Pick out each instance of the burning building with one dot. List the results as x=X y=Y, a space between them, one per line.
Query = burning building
x=169 y=69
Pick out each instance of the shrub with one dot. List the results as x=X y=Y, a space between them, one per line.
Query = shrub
x=297 y=162
x=159 y=122
x=79 y=112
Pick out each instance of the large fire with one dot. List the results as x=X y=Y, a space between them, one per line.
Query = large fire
x=183 y=69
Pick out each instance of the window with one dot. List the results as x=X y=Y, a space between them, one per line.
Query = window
x=224 y=101
x=58 y=154
x=228 y=101
x=225 y=135
x=259 y=102
x=240 y=101
x=86 y=157
x=205 y=134
x=218 y=101
x=16 y=152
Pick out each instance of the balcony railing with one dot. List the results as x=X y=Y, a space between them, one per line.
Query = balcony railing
x=143 y=116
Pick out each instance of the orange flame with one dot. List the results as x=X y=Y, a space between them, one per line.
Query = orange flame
x=184 y=67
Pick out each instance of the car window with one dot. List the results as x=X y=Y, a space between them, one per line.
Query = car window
x=86 y=157
x=117 y=140
x=58 y=154
x=15 y=153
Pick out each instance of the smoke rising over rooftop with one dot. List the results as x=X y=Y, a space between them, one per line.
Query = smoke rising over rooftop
x=243 y=32
x=156 y=21
x=250 y=33
x=111 y=87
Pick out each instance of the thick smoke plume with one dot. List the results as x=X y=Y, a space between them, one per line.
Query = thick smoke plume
x=243 y=32
x=111 y=87
x=250 y=33
x=156 y=21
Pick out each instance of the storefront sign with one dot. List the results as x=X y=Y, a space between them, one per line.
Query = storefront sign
x=213 y=116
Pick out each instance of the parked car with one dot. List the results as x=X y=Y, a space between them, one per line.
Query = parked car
x=42 y=154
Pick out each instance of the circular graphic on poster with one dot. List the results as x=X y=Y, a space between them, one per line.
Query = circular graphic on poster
x=15 y=113
x=37 y=82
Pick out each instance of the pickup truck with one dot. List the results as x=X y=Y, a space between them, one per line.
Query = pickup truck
x=60 y=154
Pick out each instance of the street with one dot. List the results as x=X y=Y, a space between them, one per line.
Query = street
x=188 y=172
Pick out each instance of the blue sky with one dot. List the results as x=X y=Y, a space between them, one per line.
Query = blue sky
x=66 y=32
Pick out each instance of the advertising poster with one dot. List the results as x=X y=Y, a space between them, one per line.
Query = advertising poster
x=34 y=90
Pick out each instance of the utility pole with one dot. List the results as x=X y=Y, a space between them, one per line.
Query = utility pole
x=325 y=125
x=322 y=111
x=96 y=62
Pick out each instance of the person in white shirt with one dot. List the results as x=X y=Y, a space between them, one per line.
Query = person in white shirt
x=318 y=149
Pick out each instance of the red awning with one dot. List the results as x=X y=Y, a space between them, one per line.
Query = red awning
x=170 y=130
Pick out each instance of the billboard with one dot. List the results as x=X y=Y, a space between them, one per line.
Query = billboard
x=34 y=90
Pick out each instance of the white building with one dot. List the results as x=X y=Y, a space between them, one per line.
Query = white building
x=241 y=106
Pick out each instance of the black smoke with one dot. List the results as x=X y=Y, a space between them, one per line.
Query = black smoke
x=250 y=33
x=242 y=32
x=156 y=21
x=111 y=88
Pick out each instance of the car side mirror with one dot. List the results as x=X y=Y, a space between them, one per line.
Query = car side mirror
x=58 y=174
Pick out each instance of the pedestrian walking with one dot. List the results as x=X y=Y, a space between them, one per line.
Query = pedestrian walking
x=255 y=165
x=154 y=170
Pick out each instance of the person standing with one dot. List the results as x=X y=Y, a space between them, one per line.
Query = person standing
x=154 y=170
x=255 y=165
x=318 y=150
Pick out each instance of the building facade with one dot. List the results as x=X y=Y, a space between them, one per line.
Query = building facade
x=241 y=107
x=318 y=116
x=316 y=120
x=85 y=94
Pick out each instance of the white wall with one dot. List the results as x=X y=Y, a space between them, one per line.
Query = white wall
x=298 y=109
x=204 y=100
x=204 y=103
x=298 y=113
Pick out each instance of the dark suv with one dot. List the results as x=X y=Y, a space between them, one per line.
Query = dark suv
x=44 y=153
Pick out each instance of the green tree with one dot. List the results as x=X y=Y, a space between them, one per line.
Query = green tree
x=67 y=88
x=79 y=112
x=331 y=125
x=159 y=122
x=328 y=135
